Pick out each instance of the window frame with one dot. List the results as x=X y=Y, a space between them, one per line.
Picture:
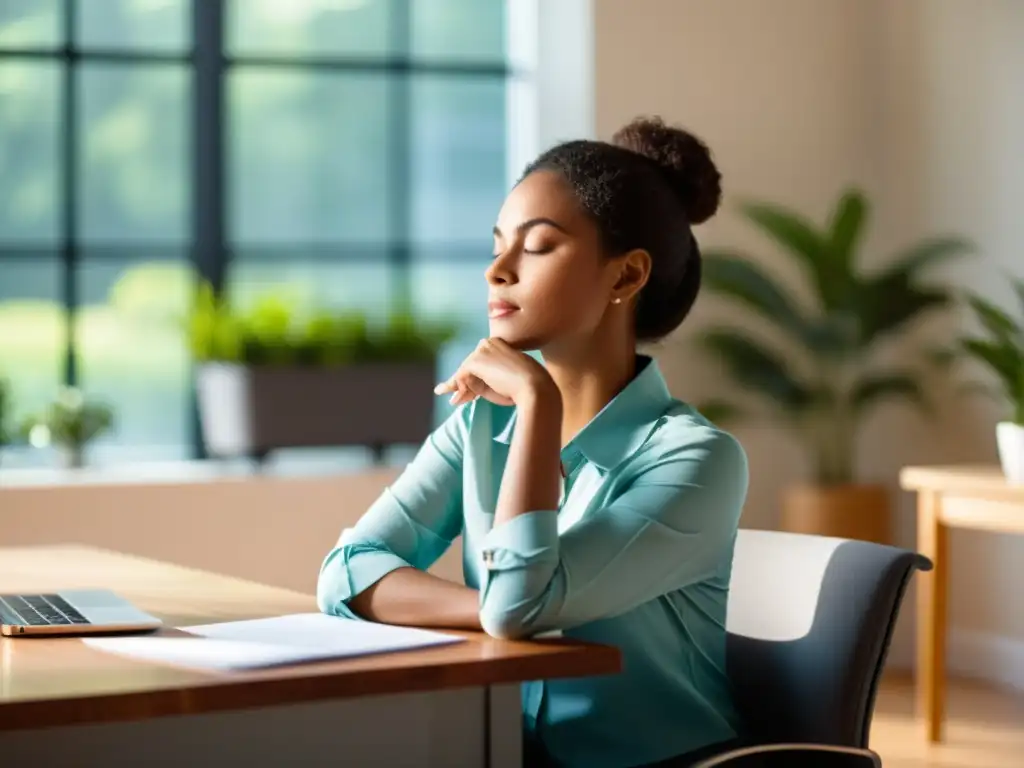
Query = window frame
x=208 y=63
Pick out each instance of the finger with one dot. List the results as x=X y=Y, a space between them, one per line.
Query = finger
x=481 y=388
x=478 y=387
x=451 y=383
x=497 y=342
x=463 y=394
x=446 y=386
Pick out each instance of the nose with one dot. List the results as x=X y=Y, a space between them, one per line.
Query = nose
x=502 y=270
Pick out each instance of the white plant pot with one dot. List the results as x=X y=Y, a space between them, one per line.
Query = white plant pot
x=1010 y=439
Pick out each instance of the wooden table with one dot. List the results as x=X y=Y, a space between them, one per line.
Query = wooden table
x=450 y=706
x=950 y=497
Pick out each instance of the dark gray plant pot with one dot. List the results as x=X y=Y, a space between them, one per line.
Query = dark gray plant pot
x=249 y=411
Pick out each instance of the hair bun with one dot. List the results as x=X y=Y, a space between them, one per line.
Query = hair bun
x=684 y=159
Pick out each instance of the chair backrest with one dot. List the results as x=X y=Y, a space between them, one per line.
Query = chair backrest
x=810 y=620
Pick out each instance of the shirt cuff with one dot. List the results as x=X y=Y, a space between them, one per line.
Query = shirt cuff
x=525 y=540
x=356 y=567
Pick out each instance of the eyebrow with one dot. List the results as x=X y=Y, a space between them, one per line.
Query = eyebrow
x=531 y=223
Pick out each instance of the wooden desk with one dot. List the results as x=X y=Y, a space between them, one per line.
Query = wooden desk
x=451 y=706
x=950 y=497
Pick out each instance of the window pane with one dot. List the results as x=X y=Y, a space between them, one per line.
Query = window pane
x=449 y=283
x=30 y=23
x=363 y=287
x=161 y=25
x=308 y=157
x=458 y=174
x=32 y=330
x=29 y=151
x=308 y=27
x=133 y=354
x=459 y=29
x=134 y=163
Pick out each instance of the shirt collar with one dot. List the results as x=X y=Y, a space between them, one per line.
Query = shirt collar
x=623 y=425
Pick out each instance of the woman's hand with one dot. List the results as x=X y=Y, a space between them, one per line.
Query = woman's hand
x=497 y=372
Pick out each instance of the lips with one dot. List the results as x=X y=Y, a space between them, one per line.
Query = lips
x=500 y=308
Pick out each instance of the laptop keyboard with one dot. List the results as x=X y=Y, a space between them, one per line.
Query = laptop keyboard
x=38 y=610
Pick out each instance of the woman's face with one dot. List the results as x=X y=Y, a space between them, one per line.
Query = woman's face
x=549 y=281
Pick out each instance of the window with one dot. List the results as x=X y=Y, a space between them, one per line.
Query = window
x=354 y=150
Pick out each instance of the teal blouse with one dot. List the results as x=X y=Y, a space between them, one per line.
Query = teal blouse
x=638 y=556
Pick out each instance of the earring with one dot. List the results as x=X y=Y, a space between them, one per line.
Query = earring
x=617 y=300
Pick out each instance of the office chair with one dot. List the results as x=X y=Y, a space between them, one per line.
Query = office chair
x=810 y=619
x=794 y=756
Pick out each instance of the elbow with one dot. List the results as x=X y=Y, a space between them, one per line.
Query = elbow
x=505 y=625
x=322 y=603
x=518 y=605
x=326 y=593
x=515 y=619
x=332 y=584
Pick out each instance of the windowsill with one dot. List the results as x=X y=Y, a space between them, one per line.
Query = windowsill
x=293 y=464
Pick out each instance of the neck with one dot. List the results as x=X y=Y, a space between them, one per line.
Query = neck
x=588 y=379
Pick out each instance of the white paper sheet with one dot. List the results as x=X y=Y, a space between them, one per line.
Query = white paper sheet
x=271 y=642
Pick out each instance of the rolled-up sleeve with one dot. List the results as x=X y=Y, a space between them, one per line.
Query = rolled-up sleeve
x=411 y=524
x=674 y=524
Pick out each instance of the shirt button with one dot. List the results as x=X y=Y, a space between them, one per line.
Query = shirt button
x=488 y=556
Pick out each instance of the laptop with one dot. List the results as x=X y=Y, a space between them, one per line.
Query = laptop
x=71 y=612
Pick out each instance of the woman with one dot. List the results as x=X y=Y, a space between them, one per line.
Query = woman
x=589 y=500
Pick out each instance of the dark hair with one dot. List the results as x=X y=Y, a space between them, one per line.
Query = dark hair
x=645 y=189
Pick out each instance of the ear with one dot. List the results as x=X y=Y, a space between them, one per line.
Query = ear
x=634 y=269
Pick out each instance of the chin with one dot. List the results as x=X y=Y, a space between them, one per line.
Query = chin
x=515 y=338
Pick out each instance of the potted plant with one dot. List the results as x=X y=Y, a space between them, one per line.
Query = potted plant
x=828 y=378
x=69 y=424
x=1001 y=350
x=273 y=376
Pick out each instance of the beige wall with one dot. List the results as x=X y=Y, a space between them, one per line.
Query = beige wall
x=953 y=99
x=919 y=101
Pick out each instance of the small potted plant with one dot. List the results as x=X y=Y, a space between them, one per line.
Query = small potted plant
x=824 y=381
x=273 y=376
x=69 y=424
x=1000 y=348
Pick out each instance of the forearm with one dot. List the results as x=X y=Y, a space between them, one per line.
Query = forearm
x=531 y=478
x=410 y=597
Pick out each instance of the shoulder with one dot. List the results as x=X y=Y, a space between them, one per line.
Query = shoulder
x=694 y=474
x=685 y=445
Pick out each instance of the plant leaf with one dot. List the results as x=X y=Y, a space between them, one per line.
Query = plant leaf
x=721 y=412
x=996 y=321
x=876 y=387
x=1005 y=360
x=799 y=238
x=1018 y=286
x=739 y=278
x=893 y=297
x=890 y=301
x=754 y=367
x=846 y=227
x=928 y=252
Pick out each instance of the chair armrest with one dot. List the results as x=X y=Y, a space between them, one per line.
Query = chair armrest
x=823 y=755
